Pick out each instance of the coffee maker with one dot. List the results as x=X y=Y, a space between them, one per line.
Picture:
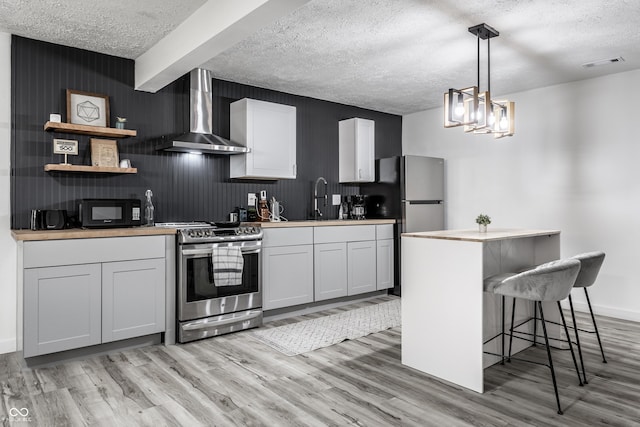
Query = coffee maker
x=357 y=206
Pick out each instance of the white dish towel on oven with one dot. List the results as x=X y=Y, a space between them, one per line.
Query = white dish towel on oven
x=227 y=265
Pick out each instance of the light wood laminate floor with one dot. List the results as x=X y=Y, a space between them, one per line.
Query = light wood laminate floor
x=235 y=380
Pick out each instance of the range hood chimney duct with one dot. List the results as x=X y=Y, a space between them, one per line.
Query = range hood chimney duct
x=201 y=139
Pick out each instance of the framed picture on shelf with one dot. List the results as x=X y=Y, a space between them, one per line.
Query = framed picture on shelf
x=104 y=153
x=86 y=108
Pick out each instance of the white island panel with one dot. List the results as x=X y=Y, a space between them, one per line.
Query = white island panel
x=446 y=315
x=441 y=306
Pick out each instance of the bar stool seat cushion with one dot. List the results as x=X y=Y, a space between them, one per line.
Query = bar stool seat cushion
x=551 y=281
x=491 y=282
x=591 y=263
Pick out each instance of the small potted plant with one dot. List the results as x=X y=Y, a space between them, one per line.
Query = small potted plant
x=120 y=122
x=483 y=220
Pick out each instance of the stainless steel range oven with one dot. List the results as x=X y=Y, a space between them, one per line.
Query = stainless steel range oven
x=219 y=285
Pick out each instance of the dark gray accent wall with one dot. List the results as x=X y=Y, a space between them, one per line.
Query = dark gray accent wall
x=186 y=187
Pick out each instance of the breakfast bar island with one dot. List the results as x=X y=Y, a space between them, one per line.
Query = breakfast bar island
x=446 y=316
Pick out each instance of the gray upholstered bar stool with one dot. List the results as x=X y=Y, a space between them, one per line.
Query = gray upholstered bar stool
x=548 y=282
x=590 y=263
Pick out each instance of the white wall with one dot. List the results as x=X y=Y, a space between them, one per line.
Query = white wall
x=573 y=165
x=7 y=245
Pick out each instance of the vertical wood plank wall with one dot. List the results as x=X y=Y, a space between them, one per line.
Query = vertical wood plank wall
x=186 y=187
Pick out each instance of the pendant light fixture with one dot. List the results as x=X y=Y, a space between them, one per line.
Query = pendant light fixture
x=475 y=110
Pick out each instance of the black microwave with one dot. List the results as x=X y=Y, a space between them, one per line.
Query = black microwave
x=96 y=213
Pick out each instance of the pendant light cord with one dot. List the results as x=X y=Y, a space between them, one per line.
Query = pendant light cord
x=489 y=65
x=488 y=62
x=478 y=64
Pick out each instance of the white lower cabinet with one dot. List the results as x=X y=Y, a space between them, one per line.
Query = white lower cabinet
x=361 y=258
x=82 y=292
x=62 y=308
x=133 y=294
x=306 y=264
x=357 y=255
x=330 y=270
x=287 y=276
x=384 y=264
x=287 y=267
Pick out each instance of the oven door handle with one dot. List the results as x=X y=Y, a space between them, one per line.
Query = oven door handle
x=209 y=251
x=205 y=324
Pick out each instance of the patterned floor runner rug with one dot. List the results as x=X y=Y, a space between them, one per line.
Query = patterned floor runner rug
x=308 y=335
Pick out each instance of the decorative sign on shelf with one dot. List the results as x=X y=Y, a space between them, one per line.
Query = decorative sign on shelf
x=66 y=147
x=104 y=153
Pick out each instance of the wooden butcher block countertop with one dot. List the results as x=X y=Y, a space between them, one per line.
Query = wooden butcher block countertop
x=81 y=233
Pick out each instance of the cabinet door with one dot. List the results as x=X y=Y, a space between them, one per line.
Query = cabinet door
x=365 y=151
x=330 y=270
x=361 y=257
x=287 y=277
x=356 y=150
x=61 y=308
x=133 y=296
x=384 y=264
x=269 y=130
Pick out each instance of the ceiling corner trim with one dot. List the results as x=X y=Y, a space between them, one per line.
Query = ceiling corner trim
x=213 y=28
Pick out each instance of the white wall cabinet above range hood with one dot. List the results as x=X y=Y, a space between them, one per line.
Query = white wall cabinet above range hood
x=268 y=130
x=200 y=138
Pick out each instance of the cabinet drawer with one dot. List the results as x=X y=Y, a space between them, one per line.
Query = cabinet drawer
x=51 y=253
x=384 y=231
x=287 y=236
x=344 y=233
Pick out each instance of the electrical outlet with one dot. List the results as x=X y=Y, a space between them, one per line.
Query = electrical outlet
x=335 y=200
x=251 y=199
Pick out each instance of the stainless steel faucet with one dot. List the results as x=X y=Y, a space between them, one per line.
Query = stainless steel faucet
x=316 y=211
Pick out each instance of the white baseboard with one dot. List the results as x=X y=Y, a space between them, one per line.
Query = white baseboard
x=600 y=310
x=7 y=346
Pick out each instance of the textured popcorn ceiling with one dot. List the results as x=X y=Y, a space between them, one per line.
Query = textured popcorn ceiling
x=122 y=28
x=401 y=55
x=397 y=56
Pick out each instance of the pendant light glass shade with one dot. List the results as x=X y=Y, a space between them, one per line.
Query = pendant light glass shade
x=480 y=115
x=456 y=103
x=504 y=112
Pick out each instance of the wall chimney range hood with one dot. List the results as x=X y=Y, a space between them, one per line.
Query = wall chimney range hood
x=200 y=138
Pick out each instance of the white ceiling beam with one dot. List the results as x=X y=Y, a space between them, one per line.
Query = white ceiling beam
x=213 y=28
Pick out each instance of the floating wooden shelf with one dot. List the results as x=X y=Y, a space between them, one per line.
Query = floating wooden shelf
x=89 y=130
x=84 y=168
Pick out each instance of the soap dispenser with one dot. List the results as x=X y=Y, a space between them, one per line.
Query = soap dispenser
x=148 y=209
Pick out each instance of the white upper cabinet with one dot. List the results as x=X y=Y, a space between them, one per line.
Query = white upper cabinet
x=357 y=150
x=269 y=130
